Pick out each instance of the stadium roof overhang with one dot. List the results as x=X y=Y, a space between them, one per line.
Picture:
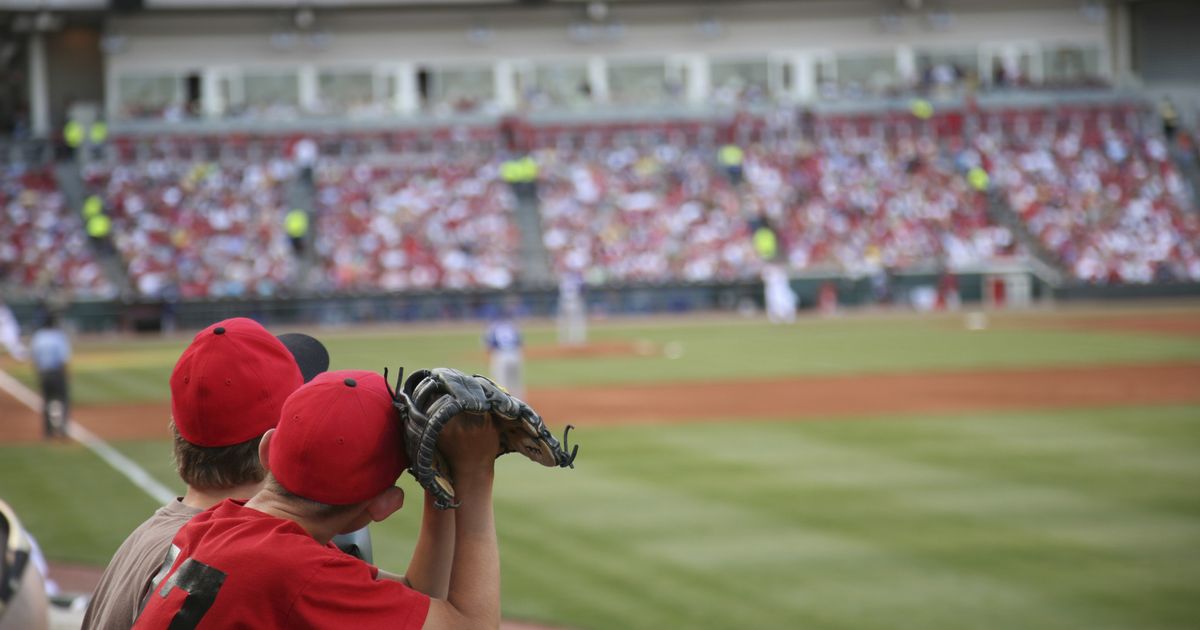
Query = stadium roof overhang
x=222 y=5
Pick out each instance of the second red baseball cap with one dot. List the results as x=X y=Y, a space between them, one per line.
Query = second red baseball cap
x=338 y=440
x=230 y=383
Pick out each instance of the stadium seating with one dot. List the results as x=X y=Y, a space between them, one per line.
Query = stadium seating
x=42 y=242
x=623 y=202
x=1112 y=206
x=420 y=222
x=200 y=228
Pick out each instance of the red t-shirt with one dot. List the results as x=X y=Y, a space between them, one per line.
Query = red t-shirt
x=237 y=567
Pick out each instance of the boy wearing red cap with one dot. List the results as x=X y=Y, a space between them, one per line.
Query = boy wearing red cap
x=226 y=390
x=332 y=464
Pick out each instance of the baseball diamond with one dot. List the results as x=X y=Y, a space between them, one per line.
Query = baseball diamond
x=858 y=315
x=1007 y=457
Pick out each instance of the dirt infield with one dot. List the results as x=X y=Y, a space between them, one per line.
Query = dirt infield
x=792 y=398
x=18 y=423
x=876 y=394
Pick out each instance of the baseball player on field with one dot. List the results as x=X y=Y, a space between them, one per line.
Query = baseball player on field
x=503 y=341
x=226 y=390
x=10 y=334
x=572 y=310
x=332 y=464
x=778 y=294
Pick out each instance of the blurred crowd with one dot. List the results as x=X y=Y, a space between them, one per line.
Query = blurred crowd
x=418 y=222
x=43 y=246
x=862 y=203
x=648 y=214
x=194 y=228
x=1112 y=207
x=1107 y=201
x=667 y=212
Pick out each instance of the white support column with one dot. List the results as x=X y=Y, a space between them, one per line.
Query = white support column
x=309 y=96
x=112 y=105
x=211 y=100
x=1121 y=43
x=597 y=71
x=699 y=75
x=1037 y=63
x=408 y=98
x=906 y=64
x=804 y=77
x=39 y=87
x=505 y=78
x=1010 y=58
x=988 y=52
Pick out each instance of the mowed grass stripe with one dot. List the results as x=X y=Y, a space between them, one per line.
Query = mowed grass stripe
x=77 y=507
x=1025 y=518
x=857 y=547
x=678 y=582
x=140 y=384
x=768 y=560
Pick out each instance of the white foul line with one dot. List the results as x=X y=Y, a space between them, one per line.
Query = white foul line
x=102 y=449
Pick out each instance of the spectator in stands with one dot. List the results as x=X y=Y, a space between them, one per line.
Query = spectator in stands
x=1170 y=119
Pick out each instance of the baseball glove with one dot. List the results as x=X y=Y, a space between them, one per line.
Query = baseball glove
x=433 y=398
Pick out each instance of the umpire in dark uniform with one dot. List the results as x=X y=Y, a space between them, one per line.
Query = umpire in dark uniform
x=51 y=350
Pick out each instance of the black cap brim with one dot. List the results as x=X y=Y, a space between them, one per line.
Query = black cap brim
x=310 y=354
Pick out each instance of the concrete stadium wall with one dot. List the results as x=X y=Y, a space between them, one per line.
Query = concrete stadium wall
x=393 y=43
x=187 y=40
x=102 y=316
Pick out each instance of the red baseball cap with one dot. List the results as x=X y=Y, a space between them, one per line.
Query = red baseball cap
x=230 y=383
x=338 y=440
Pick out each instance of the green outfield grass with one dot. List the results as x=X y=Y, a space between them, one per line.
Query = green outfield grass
x=121 y=371
x=1066 y=519
x=1033 y=520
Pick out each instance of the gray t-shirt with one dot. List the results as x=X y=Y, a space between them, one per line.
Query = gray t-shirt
x=128 y=575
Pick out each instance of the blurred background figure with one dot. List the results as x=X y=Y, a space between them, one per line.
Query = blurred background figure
x=23 y=603
x=780 y=298
x=296 y=224
x=572 y=311
x=505 y=363
x=51 y=351
x=10 y=334
x=1170 y=119
x=731 y=158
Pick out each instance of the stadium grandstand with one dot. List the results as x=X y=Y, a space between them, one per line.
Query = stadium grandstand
x=429 y=159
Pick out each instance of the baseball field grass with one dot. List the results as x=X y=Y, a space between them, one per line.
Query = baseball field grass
x=1034 y=518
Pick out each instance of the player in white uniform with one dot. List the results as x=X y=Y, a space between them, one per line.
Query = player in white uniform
x=10 y=334
x=572 y=311
x=780 y=298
